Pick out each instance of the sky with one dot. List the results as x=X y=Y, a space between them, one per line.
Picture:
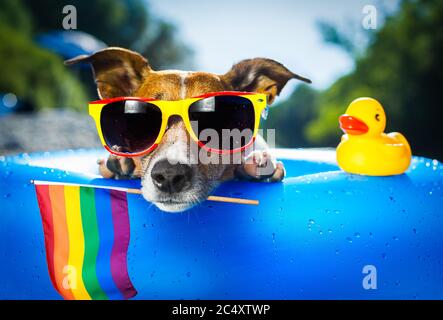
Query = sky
x=225 y=32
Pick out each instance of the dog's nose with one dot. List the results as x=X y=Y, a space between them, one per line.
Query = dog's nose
x=171 y=177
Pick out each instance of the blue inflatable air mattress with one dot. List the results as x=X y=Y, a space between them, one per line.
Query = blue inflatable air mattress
x=317 y=235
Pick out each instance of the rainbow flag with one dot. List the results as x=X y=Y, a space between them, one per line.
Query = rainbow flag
x=86 y=238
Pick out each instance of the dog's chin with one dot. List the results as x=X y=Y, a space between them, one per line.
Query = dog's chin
x=174 y=207
x=170 y=203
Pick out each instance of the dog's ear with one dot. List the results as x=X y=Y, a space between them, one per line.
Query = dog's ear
x=118 y=72
x=260 y=75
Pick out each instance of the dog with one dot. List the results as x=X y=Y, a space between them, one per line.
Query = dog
x=120 y=72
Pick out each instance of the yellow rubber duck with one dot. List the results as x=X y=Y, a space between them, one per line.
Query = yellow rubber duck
x=365 y=148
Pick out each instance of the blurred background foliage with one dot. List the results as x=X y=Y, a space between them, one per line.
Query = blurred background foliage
x=400 y=64
x=39 y=78
x=35 y=75
x=401 y=67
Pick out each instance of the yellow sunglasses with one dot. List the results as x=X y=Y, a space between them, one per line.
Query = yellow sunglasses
x=131 y=126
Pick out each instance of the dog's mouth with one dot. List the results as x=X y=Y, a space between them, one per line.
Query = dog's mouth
x=171 y=202
x=175 y=204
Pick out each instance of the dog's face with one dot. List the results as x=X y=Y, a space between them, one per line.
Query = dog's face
x=172 y=176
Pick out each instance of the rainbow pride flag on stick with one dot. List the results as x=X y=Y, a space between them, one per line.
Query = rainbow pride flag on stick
x=87 y=236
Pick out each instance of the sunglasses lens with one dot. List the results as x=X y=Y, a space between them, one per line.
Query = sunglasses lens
x=130 y=126
x=223 y=122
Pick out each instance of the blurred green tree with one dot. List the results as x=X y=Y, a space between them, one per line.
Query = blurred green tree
x=125 y=23
x=402 y=67
x=14 y=14
x=39 y=77
x=45 y=83
x=35 y=75
x=291 y=114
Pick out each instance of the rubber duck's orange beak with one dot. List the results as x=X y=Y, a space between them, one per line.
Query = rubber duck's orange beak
x=352 y=125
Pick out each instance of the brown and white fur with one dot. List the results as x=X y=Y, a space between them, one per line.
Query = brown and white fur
x=176 y=187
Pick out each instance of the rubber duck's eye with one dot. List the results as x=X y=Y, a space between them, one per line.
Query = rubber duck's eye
x=377 y=117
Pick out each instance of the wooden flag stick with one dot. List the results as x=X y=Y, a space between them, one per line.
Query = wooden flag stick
x=138 y=191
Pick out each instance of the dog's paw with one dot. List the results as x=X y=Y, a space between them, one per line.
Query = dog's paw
x=117 y=167
x=279 y=173
x=262 y=166
x=103 y=169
